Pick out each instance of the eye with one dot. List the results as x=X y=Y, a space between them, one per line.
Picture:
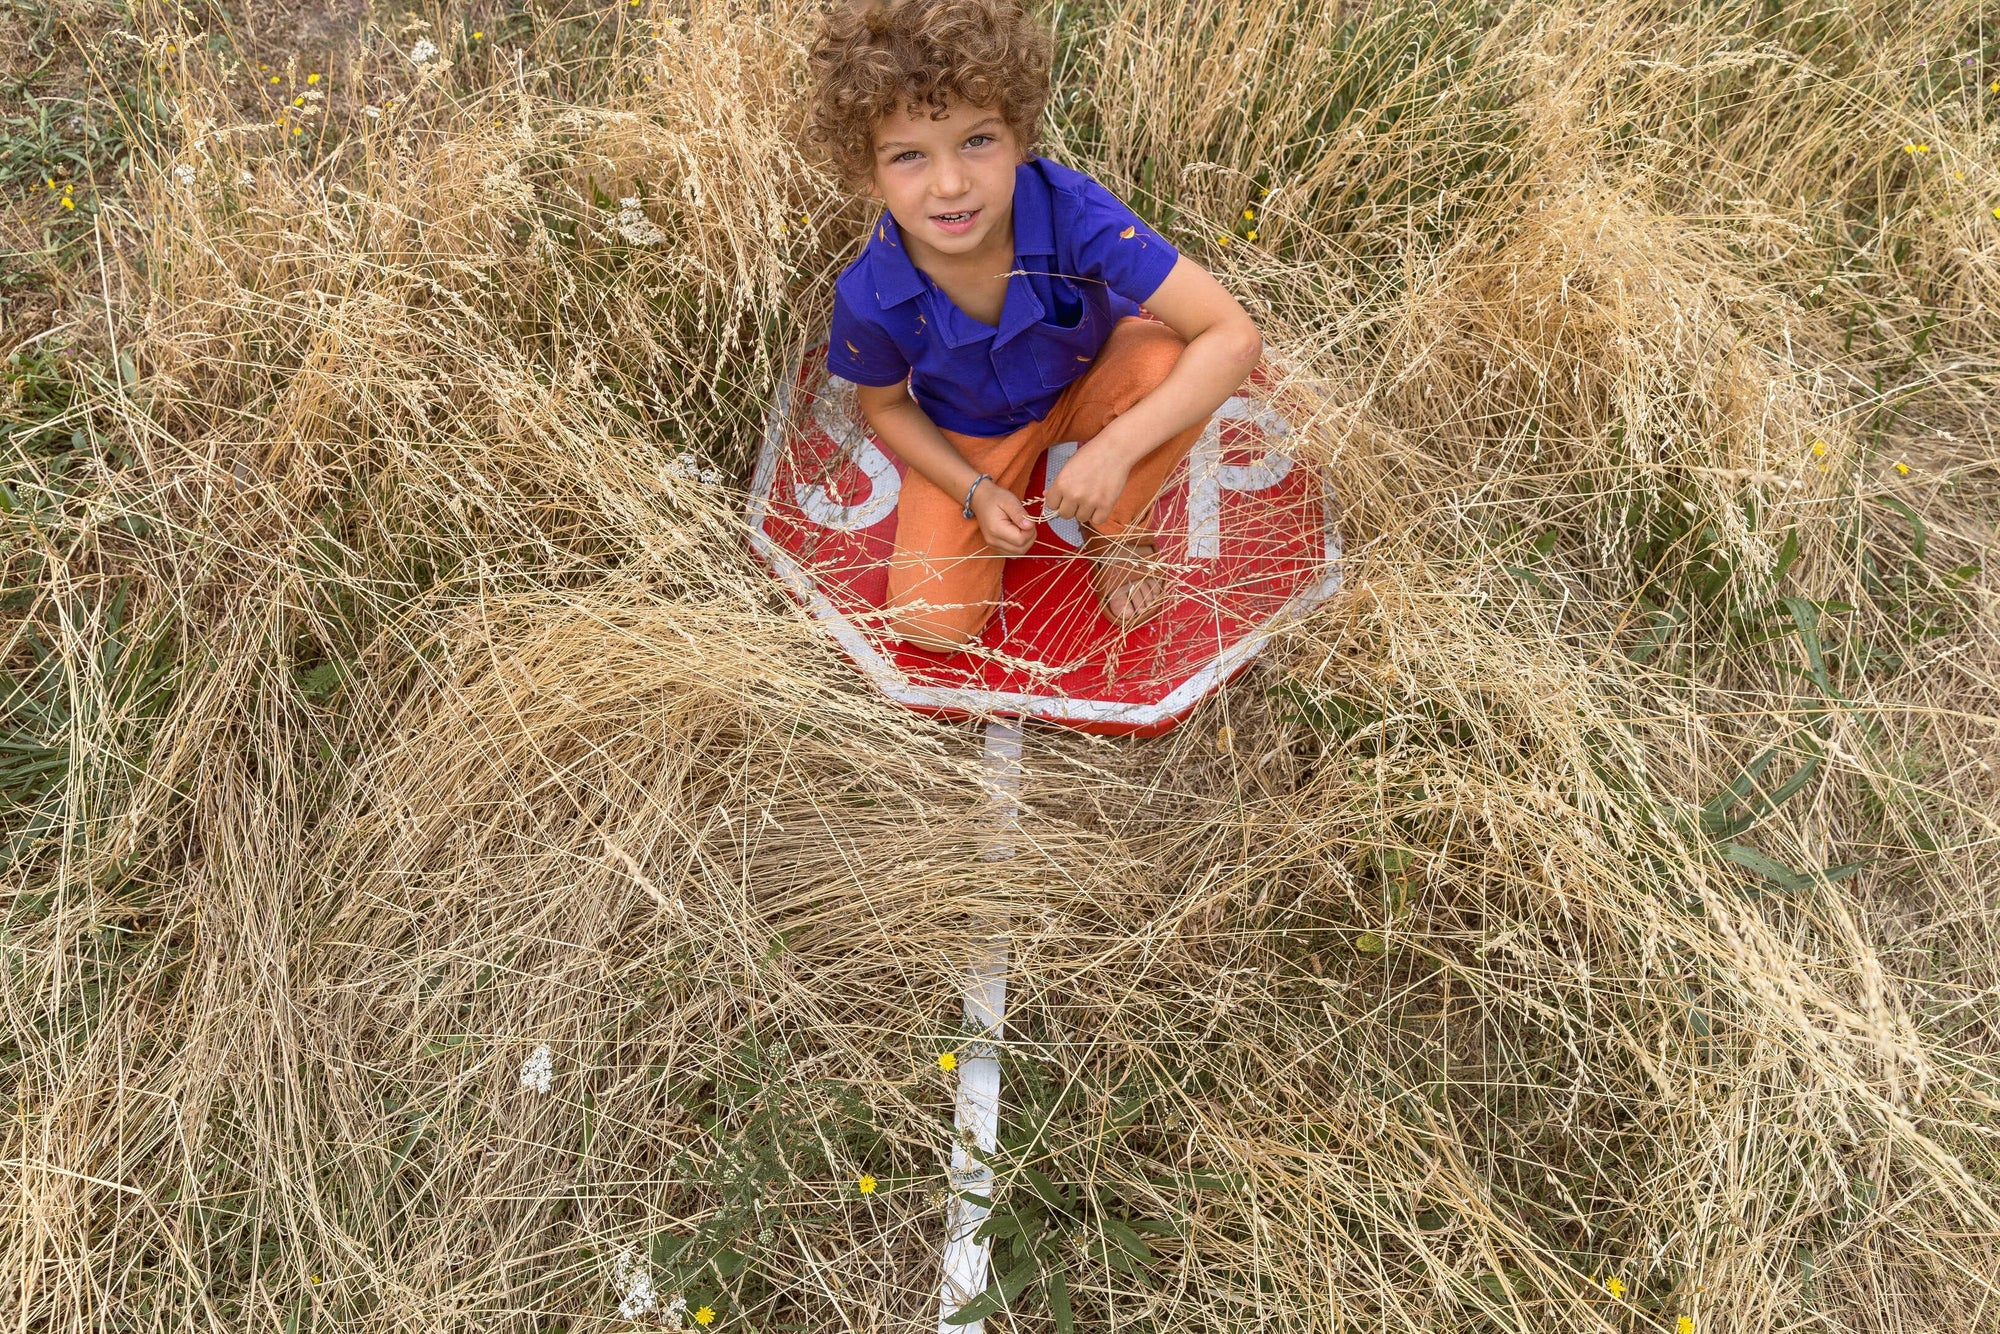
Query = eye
x=979 y=141
x=907 y=155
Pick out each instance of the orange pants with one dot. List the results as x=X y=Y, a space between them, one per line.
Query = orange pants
x=944 y=578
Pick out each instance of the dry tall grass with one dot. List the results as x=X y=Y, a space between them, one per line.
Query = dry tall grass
x=422 y=707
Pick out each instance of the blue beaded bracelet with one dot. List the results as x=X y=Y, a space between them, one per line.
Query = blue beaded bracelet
x=983 y=477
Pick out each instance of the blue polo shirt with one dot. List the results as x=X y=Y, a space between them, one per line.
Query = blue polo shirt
x=1082 y=261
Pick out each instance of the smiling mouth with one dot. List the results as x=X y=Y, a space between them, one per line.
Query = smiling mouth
x=965 y=216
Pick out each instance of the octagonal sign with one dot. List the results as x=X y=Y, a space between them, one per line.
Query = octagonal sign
x=1246 y=533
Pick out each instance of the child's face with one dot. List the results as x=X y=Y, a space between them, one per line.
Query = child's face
x=948 y=183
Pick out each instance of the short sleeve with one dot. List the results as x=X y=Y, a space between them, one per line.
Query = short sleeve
x=1116 y=247
x=859 y=351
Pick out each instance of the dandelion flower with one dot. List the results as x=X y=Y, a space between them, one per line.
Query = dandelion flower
x=1685 y=1325
x=1249 y=213
x=706 y=1315
x=69 y=203
x=1902 y=468
x=1819 y=447
x=298 y=129
x=1923 y=148
x=1222 y=240
x=866 y=1185
x=312 y=79
x=1251 y=235
x=538 y=1071
x=478 y=36
x=274 y=78
x=1615 y=1286
x=263 y=66
x=948 y=1061
x=51 y=181
x=298 y=101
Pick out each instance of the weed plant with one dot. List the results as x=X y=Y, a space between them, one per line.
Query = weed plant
x=448 y=885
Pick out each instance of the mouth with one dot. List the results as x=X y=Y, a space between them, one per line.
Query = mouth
x=956 y=223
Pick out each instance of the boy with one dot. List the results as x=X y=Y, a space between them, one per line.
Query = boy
x=992 y=314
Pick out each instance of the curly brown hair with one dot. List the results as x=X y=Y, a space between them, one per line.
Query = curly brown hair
x=874 y=57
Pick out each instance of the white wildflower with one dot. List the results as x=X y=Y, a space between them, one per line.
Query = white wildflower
x=631 y=225
x=539 y=1070
x=246 y=178
x=677 y=1306
x=635 y=1286
x=710 y=476
x=184 y=173
x=373 y=113
x=424 y=52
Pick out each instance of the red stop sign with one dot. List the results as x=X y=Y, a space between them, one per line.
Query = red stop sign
x=1247 y=535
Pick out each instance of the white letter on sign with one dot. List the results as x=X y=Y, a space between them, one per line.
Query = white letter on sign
x=834 y=412
x=1209 y=477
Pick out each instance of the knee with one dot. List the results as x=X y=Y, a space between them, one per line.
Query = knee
x=1155 y=351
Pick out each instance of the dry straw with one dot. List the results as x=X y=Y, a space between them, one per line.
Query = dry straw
x=505 y=913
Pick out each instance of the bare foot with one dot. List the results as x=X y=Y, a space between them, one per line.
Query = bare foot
x=1130 y=585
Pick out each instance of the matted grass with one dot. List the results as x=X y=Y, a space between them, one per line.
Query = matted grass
x=1582 y=924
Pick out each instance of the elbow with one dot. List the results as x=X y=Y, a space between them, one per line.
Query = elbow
x=1248 y=344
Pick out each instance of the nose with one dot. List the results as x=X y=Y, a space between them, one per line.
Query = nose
x=950 y=180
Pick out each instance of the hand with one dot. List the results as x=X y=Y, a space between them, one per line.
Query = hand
x=1087 y=487
x=1003 y=520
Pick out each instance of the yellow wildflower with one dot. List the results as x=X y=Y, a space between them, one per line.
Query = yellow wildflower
x=1222 y=240
x=1923 y=148
x=478 y=35
x=69 y=203
x=1252 y=235
x=1902 y=468
x=298 y=101
x=1249 y=213
x=706 y=1315
x=1615 y=1286
x=274 y=78
x=312 y=78
x=263 y=67
x=948 y=1061
x=51 y=180
x=1685 y=1325
x=866 y=1185
x=1819 y=447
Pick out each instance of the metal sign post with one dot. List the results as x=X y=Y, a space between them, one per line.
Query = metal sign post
x=977 y=1113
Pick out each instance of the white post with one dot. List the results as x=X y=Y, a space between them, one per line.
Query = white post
x=977 y=1115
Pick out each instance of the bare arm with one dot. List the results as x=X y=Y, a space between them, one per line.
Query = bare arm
x=914 y=438
x=1222 y=348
